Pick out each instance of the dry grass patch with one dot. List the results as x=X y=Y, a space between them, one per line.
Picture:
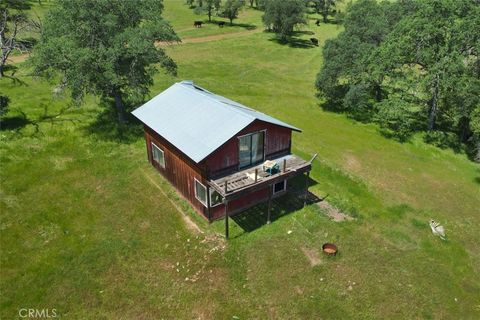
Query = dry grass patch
x=312 y=256
x=333 y=213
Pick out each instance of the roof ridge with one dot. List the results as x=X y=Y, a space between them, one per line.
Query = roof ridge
x=257 y=115
x=202 y=91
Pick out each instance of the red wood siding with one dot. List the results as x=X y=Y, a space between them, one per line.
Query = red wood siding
x=179 y=169
x=277 y=142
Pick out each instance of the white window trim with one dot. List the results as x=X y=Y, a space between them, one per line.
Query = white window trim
x=210 y=191
x=249 y=134
x=163 y=153
x=264 y=145
x=195 y=189
x=284 y=187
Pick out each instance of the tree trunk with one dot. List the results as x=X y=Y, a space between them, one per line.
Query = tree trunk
x=464 y=129
x=231 y=21
x=378 y=92
x=120 y=107
x=432 y=113
x=325 y=16
x=477 y=157
x=3 y=63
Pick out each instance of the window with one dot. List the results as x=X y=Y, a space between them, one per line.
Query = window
x=280 y=186
x=251 y=149
x=200 y=192
x=158 y=155
x=215 y=198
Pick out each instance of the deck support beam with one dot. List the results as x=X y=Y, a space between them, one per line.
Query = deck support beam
x=208 y=202
x=270 y=191
x=226 y=213
x=226 y=220
x=307 y=179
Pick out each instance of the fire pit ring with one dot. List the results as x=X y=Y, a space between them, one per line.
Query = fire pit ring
x=330 y=249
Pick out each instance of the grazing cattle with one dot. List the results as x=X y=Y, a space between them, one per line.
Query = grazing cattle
x=221 y=24
x=314 y=41
x=317 y=22
x=197 y=24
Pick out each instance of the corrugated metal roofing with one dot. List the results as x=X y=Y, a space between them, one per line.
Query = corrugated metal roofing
x=197 y=121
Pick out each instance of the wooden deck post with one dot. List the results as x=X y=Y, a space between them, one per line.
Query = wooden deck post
x=226 y=212
x=226 y=219
x=208 y=202
x=270 y=191
x=307 y=176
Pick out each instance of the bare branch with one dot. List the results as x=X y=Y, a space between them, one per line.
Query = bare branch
x=11 y=26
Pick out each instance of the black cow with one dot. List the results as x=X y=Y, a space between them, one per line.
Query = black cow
x=197 y=24
x=221 y=24
x=314 y=41
x=317 y=22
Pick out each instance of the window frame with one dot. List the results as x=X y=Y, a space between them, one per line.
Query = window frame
x=284 y=187
x=195 y=190
x=162 y=165
x=264 y=131
x=210 y=192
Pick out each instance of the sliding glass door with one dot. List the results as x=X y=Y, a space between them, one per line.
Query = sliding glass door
x=251 y=149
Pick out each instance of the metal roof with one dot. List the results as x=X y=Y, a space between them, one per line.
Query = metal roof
x=197 y=121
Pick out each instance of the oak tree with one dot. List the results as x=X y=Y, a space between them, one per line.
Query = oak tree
x=104 y=47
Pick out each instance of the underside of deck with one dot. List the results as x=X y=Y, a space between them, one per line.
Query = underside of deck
x=255 y=178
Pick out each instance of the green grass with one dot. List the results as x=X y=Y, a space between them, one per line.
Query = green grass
x=84 y=230
x=182 y=17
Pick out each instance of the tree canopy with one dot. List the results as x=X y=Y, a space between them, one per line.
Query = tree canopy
x=325 y=7
x=104 y=47
x=409 y=65
x=231 y=8
x=282 y=16
x=210 y=6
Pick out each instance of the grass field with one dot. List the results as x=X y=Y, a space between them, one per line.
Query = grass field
x=90 y=229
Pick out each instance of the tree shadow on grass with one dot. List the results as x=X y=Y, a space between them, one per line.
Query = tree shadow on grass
x=15 y=122
x=444 y=140
x=295 y=41
x=330 y=20
x=20 y=121
x=477 y=179
x=256 y=216
x=106 y=127
x=227 y=24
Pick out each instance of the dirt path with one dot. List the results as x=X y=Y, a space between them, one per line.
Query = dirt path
x=19 y=58
x=312 y=256
x=215 y=37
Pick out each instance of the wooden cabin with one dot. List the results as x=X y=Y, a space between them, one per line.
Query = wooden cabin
x=223 y=157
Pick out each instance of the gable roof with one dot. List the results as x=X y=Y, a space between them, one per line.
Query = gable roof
x=197 y=121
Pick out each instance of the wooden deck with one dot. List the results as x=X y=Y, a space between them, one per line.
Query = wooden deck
x=255 y=178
